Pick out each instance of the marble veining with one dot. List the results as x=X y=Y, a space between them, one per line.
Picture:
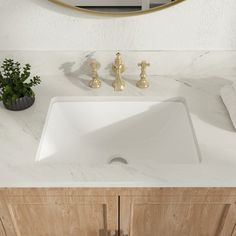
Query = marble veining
x=196 y=76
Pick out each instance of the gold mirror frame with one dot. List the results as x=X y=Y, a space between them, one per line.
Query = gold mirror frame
x=135 y=13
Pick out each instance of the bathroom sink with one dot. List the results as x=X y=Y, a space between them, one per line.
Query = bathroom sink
x=107 y=130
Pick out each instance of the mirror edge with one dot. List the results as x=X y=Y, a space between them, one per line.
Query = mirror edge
x=136 y=13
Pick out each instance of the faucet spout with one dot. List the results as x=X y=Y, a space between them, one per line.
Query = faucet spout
x=118 y=67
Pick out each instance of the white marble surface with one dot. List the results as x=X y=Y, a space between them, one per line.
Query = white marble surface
x=196 y=76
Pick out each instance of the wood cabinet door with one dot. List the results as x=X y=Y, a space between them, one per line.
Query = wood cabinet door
x=61 y=215
x=172 y=215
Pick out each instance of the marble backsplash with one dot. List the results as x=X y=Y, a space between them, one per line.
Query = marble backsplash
x=199 y=64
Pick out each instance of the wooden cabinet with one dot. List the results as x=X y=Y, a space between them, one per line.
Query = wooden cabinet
x=48 y=215
x=186 y=214
x=118 y=212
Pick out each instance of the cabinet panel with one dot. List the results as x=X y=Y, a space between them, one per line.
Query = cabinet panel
x=158 y=216
x=60 y=216
x=94 y=211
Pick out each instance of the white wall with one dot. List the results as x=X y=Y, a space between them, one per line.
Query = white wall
x=191 y=25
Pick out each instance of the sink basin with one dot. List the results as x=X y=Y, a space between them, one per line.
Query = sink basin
x=127 y=130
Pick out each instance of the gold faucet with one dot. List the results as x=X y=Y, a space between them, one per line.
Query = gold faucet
x=118 y=67
x=143 y=83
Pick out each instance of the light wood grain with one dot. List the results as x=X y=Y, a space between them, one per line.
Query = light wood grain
x=94 y=211
x=170 y=215
x=234 y=230
x=6 y=220
x=60 y=216
x=228 y=221
x=118 y=191
x=2 y=230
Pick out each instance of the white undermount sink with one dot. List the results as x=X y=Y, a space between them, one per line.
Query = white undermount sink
x=130 y=130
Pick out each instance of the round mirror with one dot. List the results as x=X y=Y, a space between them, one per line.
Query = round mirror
x=117 y=7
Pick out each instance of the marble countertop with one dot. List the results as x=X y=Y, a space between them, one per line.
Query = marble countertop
x=20 y=134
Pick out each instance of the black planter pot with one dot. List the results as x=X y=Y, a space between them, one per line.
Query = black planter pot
x=20 y=104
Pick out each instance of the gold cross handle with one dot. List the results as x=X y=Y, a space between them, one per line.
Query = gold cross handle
x=143 y=66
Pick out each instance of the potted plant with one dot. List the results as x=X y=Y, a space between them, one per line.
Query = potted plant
x=15 y=92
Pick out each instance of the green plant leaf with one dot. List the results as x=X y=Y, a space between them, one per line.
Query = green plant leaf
x=13 y=83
